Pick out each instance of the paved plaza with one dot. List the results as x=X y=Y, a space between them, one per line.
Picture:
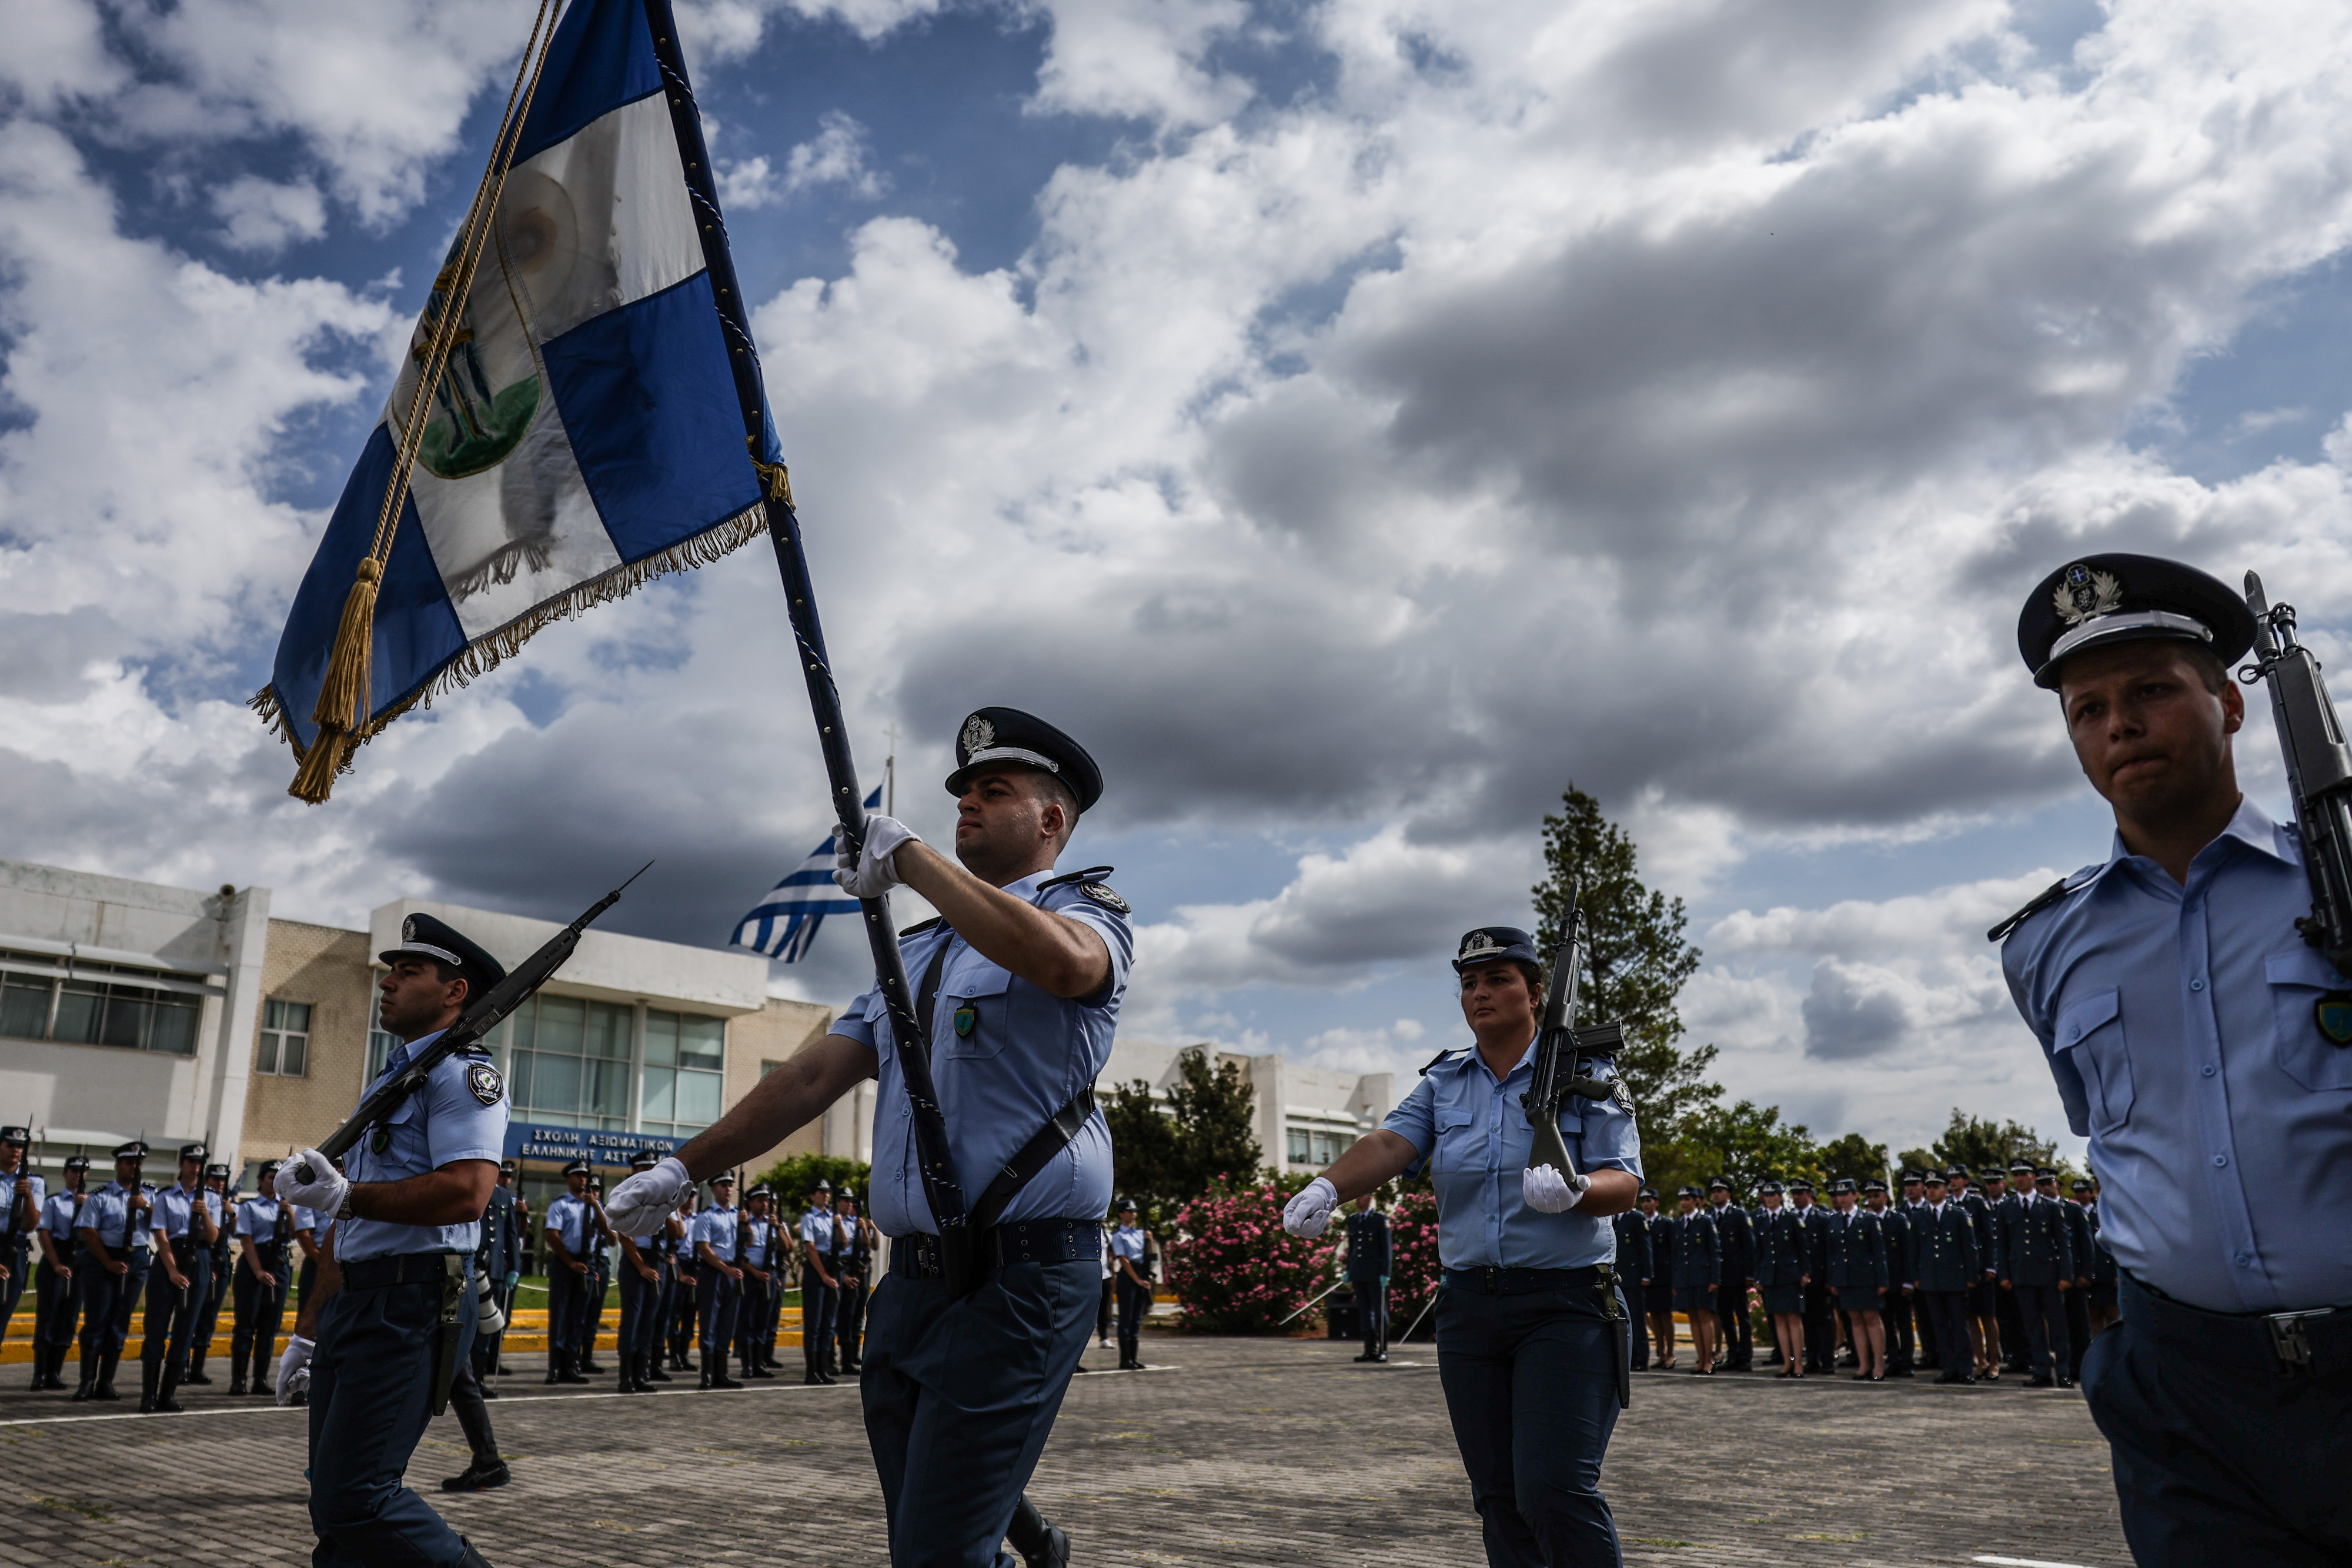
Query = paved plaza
x=1228 y=1451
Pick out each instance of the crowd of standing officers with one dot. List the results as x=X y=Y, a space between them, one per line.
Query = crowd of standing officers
x=1966 y=1282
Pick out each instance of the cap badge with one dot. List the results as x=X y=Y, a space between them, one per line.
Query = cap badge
x=978 y=733
x=484 y=1081
x=409 y=929
x=1477 y=943
x=2081 y=593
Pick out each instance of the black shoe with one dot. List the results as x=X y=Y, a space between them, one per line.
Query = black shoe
x=197 y=1377
x=150 y=1374
x=1053 y=1551
x=589 y=1367
x=2042 y=1380
x=482 y=1475
x=1383 y=1357
x=655 y=1372
x=851 y=1368
x=488 y=1392
x=472 y=1559
x=1365 y=1356
x=554 y=1368
x=237 y=1387
x=1903 y=1372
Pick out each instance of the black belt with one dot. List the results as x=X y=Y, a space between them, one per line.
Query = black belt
x=1493 y=1281
x=399 y=1269
x=2288 y=1344
x=917 y=1257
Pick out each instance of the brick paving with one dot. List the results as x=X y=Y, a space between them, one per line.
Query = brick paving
x=1230 y=1451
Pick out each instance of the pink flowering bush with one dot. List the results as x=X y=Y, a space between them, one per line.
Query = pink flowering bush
x=1413 y=1268
x=1236 y=1270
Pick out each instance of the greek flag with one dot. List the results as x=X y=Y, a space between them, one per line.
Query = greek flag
x=567 y=421
x=786 y=921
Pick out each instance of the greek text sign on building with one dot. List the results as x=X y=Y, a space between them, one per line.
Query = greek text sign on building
x=539 y=1141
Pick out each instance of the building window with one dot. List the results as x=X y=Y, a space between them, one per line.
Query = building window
x=685 y=1076
x=71 y=1006
x=285 y=1047
x=1311 y=1147
x=569 y=1060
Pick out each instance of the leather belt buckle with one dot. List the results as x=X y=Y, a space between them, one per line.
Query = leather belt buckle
x=2291 y=1343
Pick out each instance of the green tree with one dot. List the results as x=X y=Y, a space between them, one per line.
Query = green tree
x=1982 y=1143
x=1164 y=1159
x=1635 y=961
x=1853 y=1155
x=1744 y=1144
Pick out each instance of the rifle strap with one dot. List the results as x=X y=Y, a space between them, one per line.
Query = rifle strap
x=1042 y=1147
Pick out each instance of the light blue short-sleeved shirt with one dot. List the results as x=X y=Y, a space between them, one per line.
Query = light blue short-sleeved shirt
x=256 y=1218
x=313 y=1221
x=1476 y=1137
x=568 y=1217
x=59 y=1215
x=106 y=1214
x=175 y=1204
x=816 y=1229
x=8 y=1196
x=1005 y=1056
x=2180 y=1026
x=716 y=1226
x=1126 y=1243
x=460 y=1115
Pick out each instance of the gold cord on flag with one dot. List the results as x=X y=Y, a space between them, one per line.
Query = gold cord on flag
x=342 y=710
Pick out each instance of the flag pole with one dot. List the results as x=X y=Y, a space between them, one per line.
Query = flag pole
x=958 y=1246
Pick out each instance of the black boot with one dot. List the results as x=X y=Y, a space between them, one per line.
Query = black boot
x=762 y=1364
x=196 y=1377
x=568 y=1369
x=151 y=1374
x=718 y=1378
x=629 y=1384
x=487 y=1471
x=809 y=1376
x=163 y=1401
x=554 y=1366
x=655 y=1371
x=1040 y=1545
x=106 y=1367
x=85 y=1386
x=237 y=1365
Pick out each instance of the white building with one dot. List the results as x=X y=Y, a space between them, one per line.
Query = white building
x=1306 y=1115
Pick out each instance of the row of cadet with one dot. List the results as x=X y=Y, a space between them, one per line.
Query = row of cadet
x=705 y=1286
x=1970 y=1282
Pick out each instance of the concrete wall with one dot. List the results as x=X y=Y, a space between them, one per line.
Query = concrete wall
x=1283 y=1095
x=773 y=1034
x=94 y=1095
x=332 y=970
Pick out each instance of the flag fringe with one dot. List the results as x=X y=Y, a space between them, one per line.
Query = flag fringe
x=493 y=648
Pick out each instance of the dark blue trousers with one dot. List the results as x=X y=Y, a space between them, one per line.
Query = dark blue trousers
x=1533 y=1400
x=640 y=1310
x=2218 y=1456
x=1946 y=1325
x=1371 y=1293
x=715 y=1298
x=816 y=1315
x=108 y=1300
x=2042 y=1312
x=55 y=1308
x=567 y=1304
x=371 y=1400
x=959 y=1398
x=171 y=1309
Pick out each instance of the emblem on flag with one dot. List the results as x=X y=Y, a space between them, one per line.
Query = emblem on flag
x=567 y=422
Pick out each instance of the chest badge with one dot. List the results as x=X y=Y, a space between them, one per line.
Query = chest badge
x=484 y=1081
x=967 y=1019
x=2334 y=1012
x=379 y=1139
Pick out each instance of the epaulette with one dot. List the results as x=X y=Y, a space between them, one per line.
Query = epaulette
x=2040 y=902
x=1441 y=1056
x=920 y=926
x=1087 y=883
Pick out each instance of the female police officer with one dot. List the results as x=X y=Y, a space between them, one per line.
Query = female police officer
x=1524 y=1343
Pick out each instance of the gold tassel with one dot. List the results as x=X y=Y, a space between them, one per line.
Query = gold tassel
x=774 y=476
x=341 y=708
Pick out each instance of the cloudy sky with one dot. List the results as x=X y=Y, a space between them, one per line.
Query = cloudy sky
x=1355 y=420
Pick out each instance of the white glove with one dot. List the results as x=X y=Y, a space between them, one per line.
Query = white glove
x=1310 y=1211
x=324 y=1191
x=640 y=1205
x=1548 y=1192
x=875 y=872
x=293 y=1368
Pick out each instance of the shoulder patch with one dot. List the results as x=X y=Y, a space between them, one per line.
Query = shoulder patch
x=1105 y=897
x=484 y=1081
x=1623 y=1096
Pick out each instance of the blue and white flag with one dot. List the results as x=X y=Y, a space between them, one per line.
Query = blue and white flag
x=588 y=431
x=786 y=921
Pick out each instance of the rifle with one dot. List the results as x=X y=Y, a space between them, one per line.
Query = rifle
x=478 y=1021
x=2318 y=770
x=1556 y=1036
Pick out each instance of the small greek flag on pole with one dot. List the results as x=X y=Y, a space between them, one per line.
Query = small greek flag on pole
x=786 y=921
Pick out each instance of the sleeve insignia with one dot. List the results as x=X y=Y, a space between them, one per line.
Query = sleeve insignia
x=1623 y=1096
x=484 y=1081
x=1105 y=897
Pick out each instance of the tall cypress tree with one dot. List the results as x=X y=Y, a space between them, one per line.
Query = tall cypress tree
x=1635 y=961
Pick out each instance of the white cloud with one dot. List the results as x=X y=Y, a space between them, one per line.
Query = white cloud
x=836 y=157
x=262 y=215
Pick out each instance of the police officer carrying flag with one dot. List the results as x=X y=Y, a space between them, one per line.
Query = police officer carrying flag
x=1022 y=976
x=397 y=1268
x=1528 y=1311
x=2204 y=1047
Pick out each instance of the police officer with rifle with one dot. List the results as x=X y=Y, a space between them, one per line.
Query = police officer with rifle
x=1532 y=1334
x=2193 y=995
x=396 y=1299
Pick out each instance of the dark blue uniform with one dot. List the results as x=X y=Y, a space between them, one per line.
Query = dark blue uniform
x=1736 y=1232
x=107 y=1296
x=2036 y=1255
x=1698 y=1261
x=1369 y=1262
x=1820 y=1325
x=1900 y=1342
x=1782 y=1261
x=1946 y=1264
